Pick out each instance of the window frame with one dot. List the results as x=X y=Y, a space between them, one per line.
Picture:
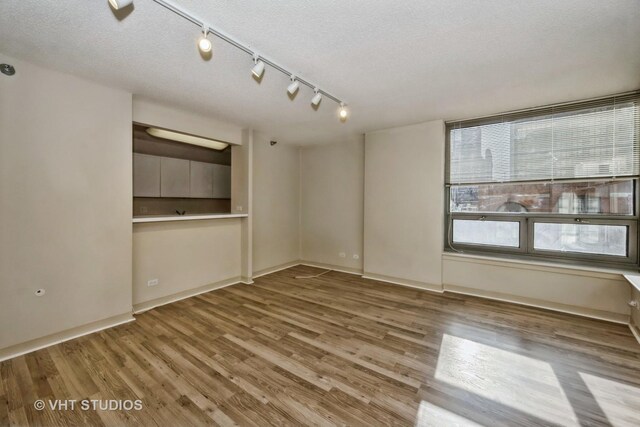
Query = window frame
x=527 y=220
x=472 y=216
x=526 y=250
x=631 y=224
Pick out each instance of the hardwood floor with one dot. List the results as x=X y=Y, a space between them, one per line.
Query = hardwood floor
x=336 y=349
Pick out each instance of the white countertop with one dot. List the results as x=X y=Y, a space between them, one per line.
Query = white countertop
x=634 y=279
x=185 y=217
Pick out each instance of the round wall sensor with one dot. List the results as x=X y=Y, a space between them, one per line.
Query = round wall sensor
x=40 y=292
x=7 y=69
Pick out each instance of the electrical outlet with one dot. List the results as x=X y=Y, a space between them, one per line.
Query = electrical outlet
x=342 y=255
x=356 y=256
x=153 y=282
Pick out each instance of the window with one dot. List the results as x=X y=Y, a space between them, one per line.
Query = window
x=558 y=182
x=492 y=233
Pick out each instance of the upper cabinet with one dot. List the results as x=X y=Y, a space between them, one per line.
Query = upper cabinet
x=221 y=182
x=202 y=180
x=174 y=177
x=146 y=175
x=155 y=176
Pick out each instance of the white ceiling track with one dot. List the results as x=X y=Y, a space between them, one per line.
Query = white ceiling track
x=201 y=25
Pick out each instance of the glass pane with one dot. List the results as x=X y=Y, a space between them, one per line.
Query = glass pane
x=494 y=233
x=589 y=142
x=582 y=238
x=595 y=197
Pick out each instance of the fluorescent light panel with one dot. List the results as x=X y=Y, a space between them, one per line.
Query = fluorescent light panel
x=187 y=139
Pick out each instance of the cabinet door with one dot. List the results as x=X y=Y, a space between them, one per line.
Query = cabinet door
x=201 y=180
x=221 y=182
x=174 y=177
x=146 y=175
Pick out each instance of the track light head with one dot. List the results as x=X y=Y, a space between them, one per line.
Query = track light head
x=343 y=112
x=316 y=98
x=204 y=44
x=293 y=87
x=258 y=68
x=119 y=4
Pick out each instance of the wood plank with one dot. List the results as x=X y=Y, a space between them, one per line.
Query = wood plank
x=336 y=350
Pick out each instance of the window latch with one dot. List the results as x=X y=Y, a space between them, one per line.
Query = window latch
x=582 y=221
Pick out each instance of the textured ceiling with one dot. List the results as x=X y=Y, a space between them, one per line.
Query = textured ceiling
x=394 y=62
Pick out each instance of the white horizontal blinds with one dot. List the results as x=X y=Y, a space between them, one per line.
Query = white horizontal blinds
x=597 y=139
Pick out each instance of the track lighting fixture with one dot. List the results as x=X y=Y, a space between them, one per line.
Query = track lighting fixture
x=204 y=44
x=293 y=87
x=119 y=4
x=317 y=97
x=258 y=69
x=343 y=112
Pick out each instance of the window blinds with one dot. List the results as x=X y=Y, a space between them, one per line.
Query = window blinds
x=595 y=139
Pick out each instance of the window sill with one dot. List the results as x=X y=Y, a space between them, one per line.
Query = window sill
x=184 y=217
x=580 y=270
x=633 y=279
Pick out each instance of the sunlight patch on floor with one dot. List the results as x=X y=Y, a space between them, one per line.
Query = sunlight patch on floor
x=430 y=415
x=619 y=402
x=523 y=383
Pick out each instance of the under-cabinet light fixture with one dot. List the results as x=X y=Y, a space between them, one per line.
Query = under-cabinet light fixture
x=187 y=139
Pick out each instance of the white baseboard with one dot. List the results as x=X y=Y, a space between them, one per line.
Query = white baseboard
x=404 y=282
x=275 y=269
x=562 y=308
x=47 y=341
x=339 y=268
x=148 y=305
x=60 y=337
x=635 y=332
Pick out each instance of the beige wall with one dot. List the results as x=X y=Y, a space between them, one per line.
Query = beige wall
x=188 y=255
x=275 y=204
x=242 y=196
x=65 y=203
x=403 y=204
x=331 y=205
x=183 y=255
x=635 y=312
x=153 y=113
x=587 y=292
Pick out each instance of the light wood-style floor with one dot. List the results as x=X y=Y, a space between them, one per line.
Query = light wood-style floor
x=336 y=349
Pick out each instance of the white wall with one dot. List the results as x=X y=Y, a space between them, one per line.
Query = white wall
x=593 y=293
x=403 y=204
x=332 y=204
x=635 y=313
x=183 y=256
x=275 y=204
x=153 y=113
x=65 y=203
x=65 y=215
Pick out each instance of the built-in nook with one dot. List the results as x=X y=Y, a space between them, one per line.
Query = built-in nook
x=176 y=178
